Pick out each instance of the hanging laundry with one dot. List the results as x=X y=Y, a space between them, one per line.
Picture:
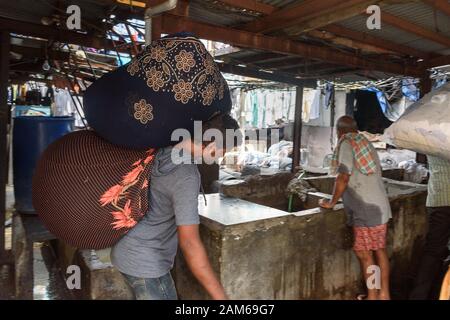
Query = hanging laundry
x=254 y=109
x=329 y=94
x=311 y=105
x=78 y=112
x=410 y=90
x=439 y=82
x=63 y=104
x=396 y=109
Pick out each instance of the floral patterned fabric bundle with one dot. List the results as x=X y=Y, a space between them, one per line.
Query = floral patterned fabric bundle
x=89 y=192
x=171 y=83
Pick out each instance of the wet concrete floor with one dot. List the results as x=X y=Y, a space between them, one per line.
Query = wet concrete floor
x=49 y=283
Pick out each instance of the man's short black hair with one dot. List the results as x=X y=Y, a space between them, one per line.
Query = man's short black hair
x=222 y=122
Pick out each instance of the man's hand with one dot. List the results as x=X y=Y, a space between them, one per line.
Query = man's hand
x=326 y=204
x=195 y=254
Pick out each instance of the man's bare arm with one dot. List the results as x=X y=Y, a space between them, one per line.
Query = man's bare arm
x=340 y=185
x=195 y=254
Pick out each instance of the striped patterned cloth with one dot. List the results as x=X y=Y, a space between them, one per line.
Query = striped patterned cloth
x=439 y=183
x=363 y=153
x=89 y=192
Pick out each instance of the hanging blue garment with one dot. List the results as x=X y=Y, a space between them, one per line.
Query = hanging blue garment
x=329 y=93
x=410 y=90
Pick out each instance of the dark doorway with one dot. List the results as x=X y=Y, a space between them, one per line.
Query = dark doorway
x=368 y=113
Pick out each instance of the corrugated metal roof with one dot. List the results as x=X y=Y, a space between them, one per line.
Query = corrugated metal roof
x=208 y=12
x=388 y=32
x=214 y=12
x=422 y=15
x=33 y=11
x=281 y=3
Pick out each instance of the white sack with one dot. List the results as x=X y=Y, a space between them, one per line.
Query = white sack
x=425 y=125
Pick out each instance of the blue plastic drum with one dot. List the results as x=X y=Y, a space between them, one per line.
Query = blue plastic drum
x=31 y=136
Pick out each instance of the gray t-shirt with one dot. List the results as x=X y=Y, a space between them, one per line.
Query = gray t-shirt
x=365 y=199
x=148 y=250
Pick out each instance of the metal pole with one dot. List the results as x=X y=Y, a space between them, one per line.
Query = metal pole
x=297 y=128
x=4 y=75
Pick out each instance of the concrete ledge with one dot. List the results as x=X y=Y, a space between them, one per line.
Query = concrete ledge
x=99 y=279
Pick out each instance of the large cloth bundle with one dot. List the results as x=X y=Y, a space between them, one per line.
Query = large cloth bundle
x=89 y=192
x=171 y=83
x=425 y=125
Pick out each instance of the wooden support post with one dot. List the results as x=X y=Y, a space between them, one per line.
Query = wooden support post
x=297 y=128
x=4 y=70
x=23 y=259
x=26 y=230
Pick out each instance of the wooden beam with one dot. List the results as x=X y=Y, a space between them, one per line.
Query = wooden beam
x=300 y=64
x=346 y=42
x=374 y=41
x=172 y=24
x=287 y=62
x=367 y=39
x=437 y=62
x=61 y=35
x=346 y=10
x=410 y=27
x=251 y=5
x=30 y=52
x=254 y=73
x=314 y=69
x=306 y=11
x=4 y=113
x=261 y=57
x=23 y=79
x=440 y=5
x=224 y=52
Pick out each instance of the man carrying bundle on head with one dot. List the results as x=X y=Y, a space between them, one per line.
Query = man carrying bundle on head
x=176 y=82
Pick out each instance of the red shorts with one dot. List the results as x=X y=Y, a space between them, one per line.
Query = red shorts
x=370 y=238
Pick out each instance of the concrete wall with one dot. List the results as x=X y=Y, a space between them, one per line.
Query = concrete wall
x=265 y=190
x=271 y=190
x=304 y=255
x=307 y=255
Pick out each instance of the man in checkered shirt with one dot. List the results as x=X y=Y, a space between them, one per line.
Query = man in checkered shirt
x=366 y=203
